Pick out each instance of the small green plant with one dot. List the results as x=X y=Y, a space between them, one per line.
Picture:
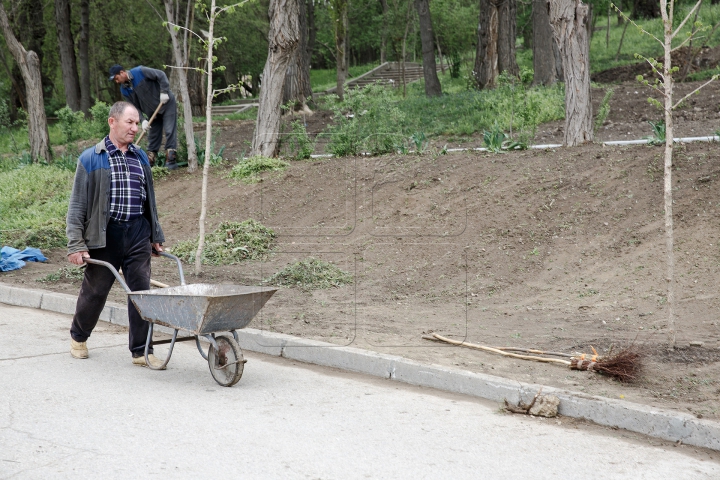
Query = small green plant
x=658 y=134
x=299 y=145
x=159 y=172
x=493 y=139
x=311 y=274
x=230 y=243
x=419 y=141
x=64 y=273
x=604 y=109
x=215 y=158
x=249 y=169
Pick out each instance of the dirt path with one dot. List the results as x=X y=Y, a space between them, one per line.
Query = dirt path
x=558 y=249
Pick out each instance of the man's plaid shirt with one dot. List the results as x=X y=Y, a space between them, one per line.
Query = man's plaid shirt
x=127 y=183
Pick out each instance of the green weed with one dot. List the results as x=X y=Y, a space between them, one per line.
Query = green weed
x=299 y=146
x=604 y=109
x=311 y=274
x=249 y=170
x=658 y=135
x=230 y=243
x=64 y=273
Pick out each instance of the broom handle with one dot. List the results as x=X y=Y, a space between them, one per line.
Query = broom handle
x=137 y=142
x=495 y=350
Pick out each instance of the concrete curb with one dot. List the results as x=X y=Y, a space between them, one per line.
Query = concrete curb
x=665 y=424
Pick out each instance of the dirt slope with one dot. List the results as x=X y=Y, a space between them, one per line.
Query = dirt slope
x=557 y=249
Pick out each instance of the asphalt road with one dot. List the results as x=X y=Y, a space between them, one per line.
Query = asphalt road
x=67 y=418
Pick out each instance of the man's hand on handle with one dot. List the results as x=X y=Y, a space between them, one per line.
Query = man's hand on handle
x=164 y=97
x=78 y=258
x=145 y=125
x=156 y=249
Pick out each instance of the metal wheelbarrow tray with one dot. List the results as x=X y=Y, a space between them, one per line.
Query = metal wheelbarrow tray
x=201 y=310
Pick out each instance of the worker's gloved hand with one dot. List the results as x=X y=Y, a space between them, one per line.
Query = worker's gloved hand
x=164 y=97
x=146 y=125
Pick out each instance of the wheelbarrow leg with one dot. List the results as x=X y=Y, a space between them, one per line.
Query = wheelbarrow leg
x=149 y=342
x=210 y=338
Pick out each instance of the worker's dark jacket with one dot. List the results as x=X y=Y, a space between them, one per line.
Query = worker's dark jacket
x=144 y=88
x=89 y=211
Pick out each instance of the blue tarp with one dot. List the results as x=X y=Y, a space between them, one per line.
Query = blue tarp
x=12 y=258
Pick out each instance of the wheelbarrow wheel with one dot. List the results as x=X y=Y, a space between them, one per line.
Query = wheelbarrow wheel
x=227 y=362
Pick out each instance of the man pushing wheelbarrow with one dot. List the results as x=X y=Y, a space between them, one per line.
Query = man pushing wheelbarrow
x=112 y=217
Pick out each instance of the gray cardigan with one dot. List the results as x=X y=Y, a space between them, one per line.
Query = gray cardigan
x=89 y=210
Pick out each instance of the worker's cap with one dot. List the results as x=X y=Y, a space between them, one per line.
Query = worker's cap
x=114 y=70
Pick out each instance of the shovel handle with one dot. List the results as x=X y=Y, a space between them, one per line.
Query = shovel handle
x=137 y=142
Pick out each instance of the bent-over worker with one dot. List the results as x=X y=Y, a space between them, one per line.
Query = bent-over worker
x=147 y=88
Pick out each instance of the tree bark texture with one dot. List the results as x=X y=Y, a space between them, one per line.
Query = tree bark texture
x=432 y=83
x=66 y=47
x=547 y=63
x=568 y=19
x=283 y=41
x=311 y=30
x=29 y=65
x=84 y=56
x=340 y=20
x=181 y=70
x=496 y=42
x=297 y=87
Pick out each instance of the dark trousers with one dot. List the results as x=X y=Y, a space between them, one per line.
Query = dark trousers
x=164 y=122
x=128 y=246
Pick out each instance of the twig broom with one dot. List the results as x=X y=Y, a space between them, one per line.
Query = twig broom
x=624 y=365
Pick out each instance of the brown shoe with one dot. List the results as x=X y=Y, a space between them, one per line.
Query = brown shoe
x=152 y=156
x=78 y=349
x=154 y=361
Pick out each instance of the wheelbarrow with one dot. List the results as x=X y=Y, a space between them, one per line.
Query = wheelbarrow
x=203 y=311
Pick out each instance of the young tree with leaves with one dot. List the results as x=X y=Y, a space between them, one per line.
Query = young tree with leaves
x=664 y=85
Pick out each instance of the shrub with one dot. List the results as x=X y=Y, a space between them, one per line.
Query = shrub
x=71 y=123
x=230 y=243
x=299 y=144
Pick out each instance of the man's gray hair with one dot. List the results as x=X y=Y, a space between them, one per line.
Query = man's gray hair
x=118 y=109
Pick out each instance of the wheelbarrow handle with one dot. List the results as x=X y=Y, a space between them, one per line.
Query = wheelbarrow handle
x=179 y=264
x=120 y=279
x=112 y=269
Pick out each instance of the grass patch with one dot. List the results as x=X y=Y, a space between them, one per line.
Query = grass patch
x=311 y=274
x=230 y=243
x=64 y=273
x=323 y=79
x=602 y=53
x=33 y=205
x=249 y=170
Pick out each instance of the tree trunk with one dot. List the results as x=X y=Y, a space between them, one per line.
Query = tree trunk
x=547 y=63
x=667 y=17
x=181 y=70
x=29 y=65
x=568 y=19
x=283 y=40
x=383 y=31
x=340 y=19
x=496 y=42
x=297 y=87
x=432 y=83
x=66 y=47
x=84 y=55
x=311 y=30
